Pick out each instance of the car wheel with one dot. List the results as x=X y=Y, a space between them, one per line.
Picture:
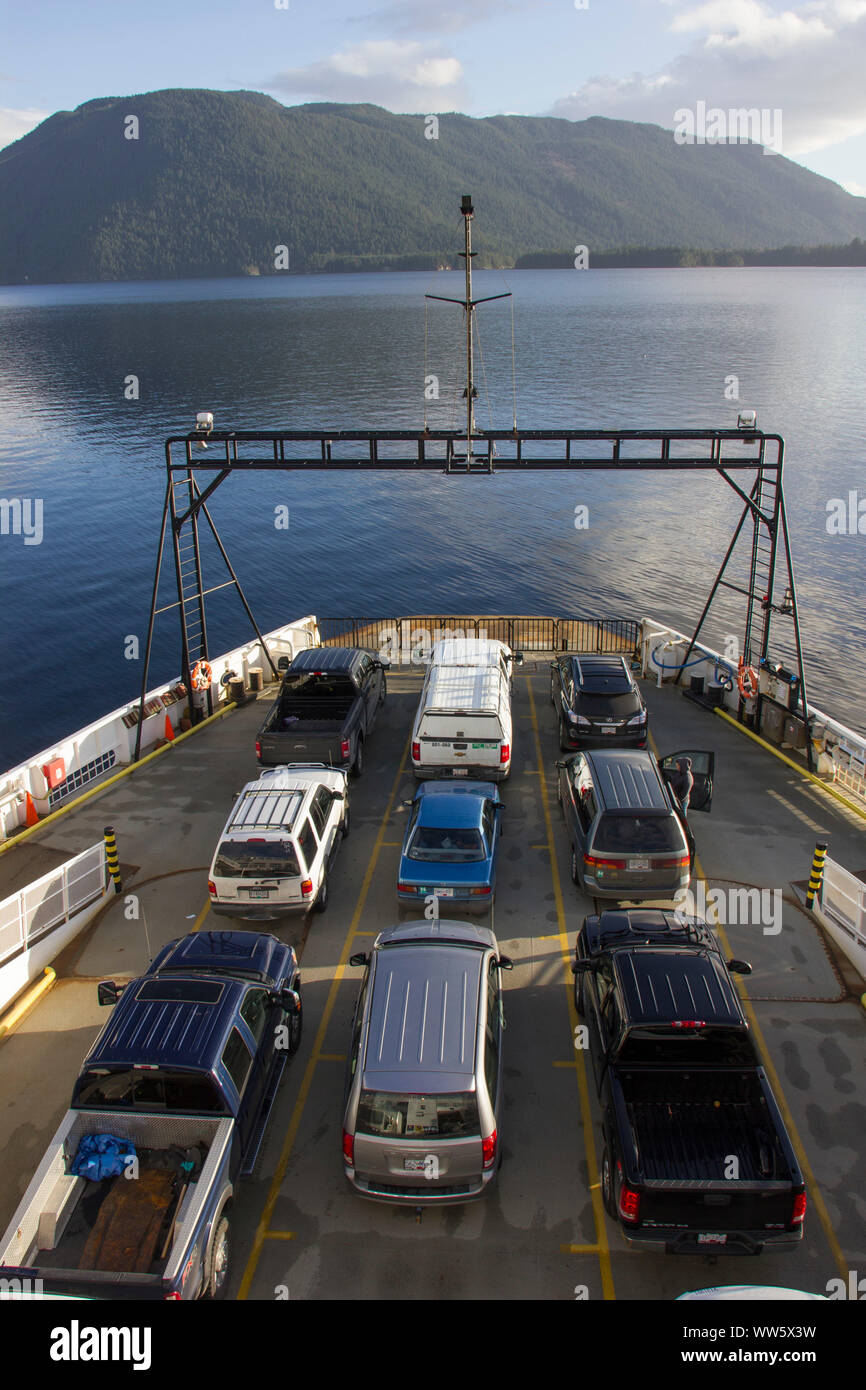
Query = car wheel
x=383 y=691
x=564 y=743
x=560 y=800
x=218 y=1274
x=575 y=868
x=578 y=996
x=322 y=896
x=607 y=1183
x=346 y=821
x=296 y=1028
x=358 y=764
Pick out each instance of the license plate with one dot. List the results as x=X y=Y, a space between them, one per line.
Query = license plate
x=259 y=892
x=607 y=729
x=413 y=1165
x=712 y=1238
x=638 y=863
x=443 y=892
x=461 y=771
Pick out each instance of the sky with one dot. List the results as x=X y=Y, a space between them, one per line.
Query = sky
x=640 y=60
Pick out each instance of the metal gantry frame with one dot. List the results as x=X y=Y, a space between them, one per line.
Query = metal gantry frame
x=726 y=452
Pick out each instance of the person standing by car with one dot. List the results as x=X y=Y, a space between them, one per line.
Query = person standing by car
x=682 y=782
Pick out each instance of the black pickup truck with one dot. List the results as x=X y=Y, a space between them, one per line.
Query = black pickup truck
x=696 y=1157
x=328 y=703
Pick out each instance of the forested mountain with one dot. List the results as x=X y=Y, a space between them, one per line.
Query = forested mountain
x=215 y=181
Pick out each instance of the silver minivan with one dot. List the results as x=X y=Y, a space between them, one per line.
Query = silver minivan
x=422 y=1124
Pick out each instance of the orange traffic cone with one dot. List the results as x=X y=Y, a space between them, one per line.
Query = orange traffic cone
x=169 y=731
x=31 y=817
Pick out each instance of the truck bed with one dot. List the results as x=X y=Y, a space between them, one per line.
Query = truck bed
x=291 y=713
x=118 y=1224
x=686 y=1127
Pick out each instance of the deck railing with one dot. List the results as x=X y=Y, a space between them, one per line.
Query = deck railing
x=409 y=640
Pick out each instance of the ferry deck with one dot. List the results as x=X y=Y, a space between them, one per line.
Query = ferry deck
x=542 y=1232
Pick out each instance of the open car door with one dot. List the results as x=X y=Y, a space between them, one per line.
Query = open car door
x=703 y=768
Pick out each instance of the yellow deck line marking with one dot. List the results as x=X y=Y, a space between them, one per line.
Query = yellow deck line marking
x=803 y=771
x=580 y=1249
x=564 y=1064
x=539 y=846
x=280 y=1235
x=815 y=1194
x=196 y=926
x=392 y=844
x=365 y=933
x=110 y=781
x=603 y=1249
x=306 y=1084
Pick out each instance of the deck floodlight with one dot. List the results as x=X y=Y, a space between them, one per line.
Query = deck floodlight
x=466 y=207
x=747 y=420
x=786 y=607
x=204 y=422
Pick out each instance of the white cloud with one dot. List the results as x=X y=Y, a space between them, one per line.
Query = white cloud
x=400 y=74
x=15 y=123
x=808 y=63
x=432 y=17
x=858 y=189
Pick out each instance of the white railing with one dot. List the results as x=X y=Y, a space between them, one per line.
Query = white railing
x=109 y=744
x=37 y=923
x=843 y=906
x=840 y=752
x=51 y=901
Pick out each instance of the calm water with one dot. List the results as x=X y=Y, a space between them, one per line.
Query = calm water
x=612 y=348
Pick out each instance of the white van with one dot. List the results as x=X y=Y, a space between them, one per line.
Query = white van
x=279 y=843
x=475 y=651
x=463 y=725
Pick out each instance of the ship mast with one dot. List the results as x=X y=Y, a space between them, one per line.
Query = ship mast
x=483 y=461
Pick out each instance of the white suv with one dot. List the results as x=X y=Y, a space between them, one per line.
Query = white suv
x=279 y=843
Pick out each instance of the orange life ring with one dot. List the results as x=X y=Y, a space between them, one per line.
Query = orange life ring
x=201 y=675
x=747 y=681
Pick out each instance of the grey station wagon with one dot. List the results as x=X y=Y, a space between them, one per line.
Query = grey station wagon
x=424 y=1081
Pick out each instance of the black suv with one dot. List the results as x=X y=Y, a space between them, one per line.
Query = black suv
x=598 y=703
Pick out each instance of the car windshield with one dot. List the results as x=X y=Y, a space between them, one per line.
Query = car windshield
x=256 y=859
x=451 y=1116
x=447 y=846
x=646 y=834
x=604 y=705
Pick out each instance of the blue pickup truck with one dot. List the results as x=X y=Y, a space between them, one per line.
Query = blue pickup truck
x=133 y=1197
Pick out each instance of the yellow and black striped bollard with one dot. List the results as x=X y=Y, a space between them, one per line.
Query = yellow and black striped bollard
x=111 y=857
x=817 y=874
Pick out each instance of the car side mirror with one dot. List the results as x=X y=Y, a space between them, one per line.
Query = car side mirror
x=505 y=963
x=582 y=967
x=518 y=658
x=360 y=958
x=107 y=992
x=384 y=665
x=337 y=796
x=739 y=967
x=289 y=1000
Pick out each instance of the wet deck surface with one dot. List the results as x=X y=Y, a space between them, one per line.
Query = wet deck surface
x=541 y=1232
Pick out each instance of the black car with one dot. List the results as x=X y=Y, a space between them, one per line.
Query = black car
x=598 y=703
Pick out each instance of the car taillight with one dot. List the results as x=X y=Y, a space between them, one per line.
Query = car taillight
x=171 y=1298
x=349 y=1148
x=593 y=862
x=681 y=863
x=416 y=751
x=488 y=1150
x=799 y=1209
x=258 y=748
x=505 y=752
x=306 y=887
x=345 y=749
x=211 y=887
x=479 y=892
x=688 y=1023
x=629 y=1205
x=406 y=888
